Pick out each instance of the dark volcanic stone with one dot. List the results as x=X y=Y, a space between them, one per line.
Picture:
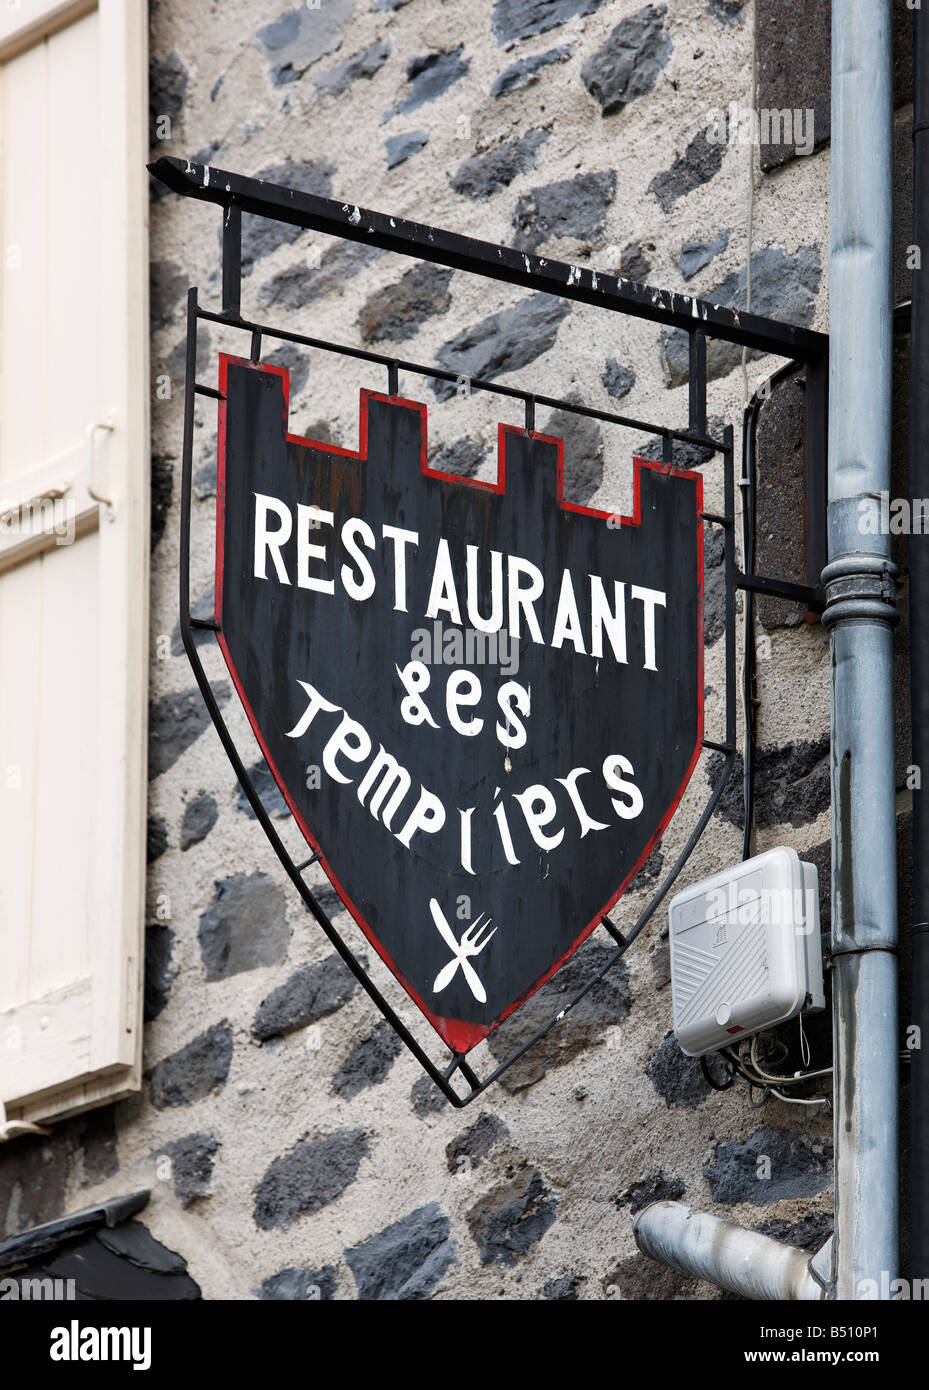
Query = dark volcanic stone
x=159 y=977
x=649 y=872
x=33 y=1175
x=260 y=236
x=571 y=208
x=245 y=928
x=520 y=19
x=794 y=69
x=684 y=454
x=269 y=793
x=512 y=1217
x=405 y=1261
x=309 y=995
x=784 y=286
x=800 y=1167
x=402 y=147
x=526 y=71
x=583 y=453
x=174 y=364
x=655 y=1187
x=809 y=1233
x=328 y=899
x=483 y=174
x=660 y=961
x=634 y=263
x=617 y=380
x=563 y=1290
x=301 y=37
x=167 y=283
x=175 y=722
x=780 y=498
x=637 y=1278
x=714 y=584
x=195 y=1070
x=156 y=839
x=93 y=1135
x=162 y=491
x=628 y=64
x=167 y=88
x=605 y=1005
x=315 y=1173
x=205 y=481
x=301 y=284
x=398 y=311
x=792 y=784
x=299 y=1285
x=369 y=1062
x=677 y=1079
x=364 y=64
x=700 y=162
x=502 y=343
x=464 y=457
x=429 y=76
x=297 y=364
x=696 y=254
x=204 y=608
x=475 y=1142
x=426 y=1098
x=205 y=155
x=191 y=1165
x=200 y=815
x=726 y=11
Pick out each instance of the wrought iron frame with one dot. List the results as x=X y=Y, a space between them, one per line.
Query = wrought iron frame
x=699 y=319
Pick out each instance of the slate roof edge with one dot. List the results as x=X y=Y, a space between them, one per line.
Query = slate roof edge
x=41 y=1239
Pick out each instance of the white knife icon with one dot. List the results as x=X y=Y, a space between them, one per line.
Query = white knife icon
x=473 y=940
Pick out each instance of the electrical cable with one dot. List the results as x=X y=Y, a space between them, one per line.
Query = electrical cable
x=800 y=1100
x=711 y=1080
x=749 y=675
x=782 y=1080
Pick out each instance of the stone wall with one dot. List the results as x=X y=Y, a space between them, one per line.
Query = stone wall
x=293 y=1147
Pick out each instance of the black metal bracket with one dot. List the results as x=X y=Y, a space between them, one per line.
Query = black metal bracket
x=698 y=318
x=352 y=223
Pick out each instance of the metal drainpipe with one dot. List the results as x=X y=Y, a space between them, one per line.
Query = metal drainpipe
x=860 y=613
x=919 y=663
x=744 y=1262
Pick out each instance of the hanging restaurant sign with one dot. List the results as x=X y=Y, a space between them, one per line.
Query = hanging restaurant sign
x=481 y=703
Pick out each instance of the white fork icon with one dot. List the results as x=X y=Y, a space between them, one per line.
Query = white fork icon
x=472 y=943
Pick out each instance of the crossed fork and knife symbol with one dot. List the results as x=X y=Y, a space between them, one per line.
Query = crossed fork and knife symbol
x=473 y=940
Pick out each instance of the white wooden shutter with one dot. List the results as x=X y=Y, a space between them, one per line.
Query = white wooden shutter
x=73 y=617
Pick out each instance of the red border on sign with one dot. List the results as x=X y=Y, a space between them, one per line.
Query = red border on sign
x=456 y=1033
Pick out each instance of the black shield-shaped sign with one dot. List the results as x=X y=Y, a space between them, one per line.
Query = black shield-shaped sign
x=481 y=703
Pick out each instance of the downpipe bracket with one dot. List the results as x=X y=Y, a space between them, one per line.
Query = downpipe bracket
x=861 y=588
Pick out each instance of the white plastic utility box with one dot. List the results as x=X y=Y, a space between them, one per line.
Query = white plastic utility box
x=745 y=951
